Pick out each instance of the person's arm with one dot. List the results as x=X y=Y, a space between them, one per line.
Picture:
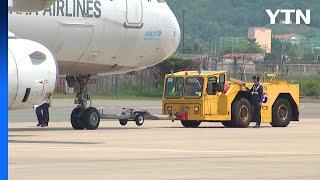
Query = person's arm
x=48 y=100
x=248 y=89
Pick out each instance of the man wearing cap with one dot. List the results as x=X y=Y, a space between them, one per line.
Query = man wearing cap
x=257 y=97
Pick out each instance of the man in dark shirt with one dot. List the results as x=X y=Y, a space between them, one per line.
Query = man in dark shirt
x=257 y=96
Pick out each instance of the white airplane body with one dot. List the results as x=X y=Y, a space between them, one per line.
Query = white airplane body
x=85 y=38
x=102 y=36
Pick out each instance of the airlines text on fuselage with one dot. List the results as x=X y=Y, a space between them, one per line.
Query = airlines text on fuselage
x=74 y=8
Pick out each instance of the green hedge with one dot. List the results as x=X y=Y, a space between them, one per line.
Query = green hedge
x=309 y=86
x=135 y=90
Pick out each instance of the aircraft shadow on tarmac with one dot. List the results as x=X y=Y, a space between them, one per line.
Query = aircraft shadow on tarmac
x=12 y=136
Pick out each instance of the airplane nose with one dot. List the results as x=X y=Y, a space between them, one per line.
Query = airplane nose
x=176 y=33
x=170 y=42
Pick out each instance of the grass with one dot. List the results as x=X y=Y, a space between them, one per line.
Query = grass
x=309 y=86
x=132 y=91
x=62 y=96
x=105 y=97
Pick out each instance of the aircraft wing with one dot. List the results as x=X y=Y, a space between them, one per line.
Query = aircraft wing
x=28 y=5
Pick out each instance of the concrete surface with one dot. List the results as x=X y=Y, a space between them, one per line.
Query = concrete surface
x=161 y=149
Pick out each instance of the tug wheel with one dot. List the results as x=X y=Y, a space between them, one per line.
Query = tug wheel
x=281 y=113
x=190 y=124
x=241 y=113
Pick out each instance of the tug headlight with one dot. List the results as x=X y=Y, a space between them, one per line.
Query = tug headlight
x=196 y=109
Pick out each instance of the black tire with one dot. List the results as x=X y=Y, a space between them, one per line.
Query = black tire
x=191 y=124
x=139 y=119
x=281 y=113
x=241 y=113
x=76 y=120
x=227 y=124
x=123 y=122
x=91 y=118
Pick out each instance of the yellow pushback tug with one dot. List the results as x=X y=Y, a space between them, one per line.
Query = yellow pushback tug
x=194 y=97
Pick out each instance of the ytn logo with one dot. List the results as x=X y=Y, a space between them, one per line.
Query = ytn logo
x=287 y=13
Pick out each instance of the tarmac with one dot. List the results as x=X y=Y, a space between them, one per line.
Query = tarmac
x=160 y=149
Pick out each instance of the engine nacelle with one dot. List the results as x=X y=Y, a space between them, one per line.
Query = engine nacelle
x=28 y=5
x=32 y=73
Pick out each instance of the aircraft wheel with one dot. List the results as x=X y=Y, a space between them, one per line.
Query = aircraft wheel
x=91 y=118
x=281 y=113
x=139 y=120
x=76 y=120
x=123 y=122
x=241 y=113
x=191 y=124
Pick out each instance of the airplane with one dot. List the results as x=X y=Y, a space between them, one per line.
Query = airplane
x=87 y=38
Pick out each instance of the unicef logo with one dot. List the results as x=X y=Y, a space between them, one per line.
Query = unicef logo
x=265 y=98
x=153 y=34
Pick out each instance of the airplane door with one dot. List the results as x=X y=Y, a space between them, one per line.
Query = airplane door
x=73 y=41
x=134 y=13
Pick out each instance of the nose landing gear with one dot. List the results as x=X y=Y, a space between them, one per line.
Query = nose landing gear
x=83 y=116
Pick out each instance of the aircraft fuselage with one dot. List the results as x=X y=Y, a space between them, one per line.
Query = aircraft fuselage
x=102 y=36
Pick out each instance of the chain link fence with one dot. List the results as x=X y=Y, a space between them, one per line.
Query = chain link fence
x=149 y=82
